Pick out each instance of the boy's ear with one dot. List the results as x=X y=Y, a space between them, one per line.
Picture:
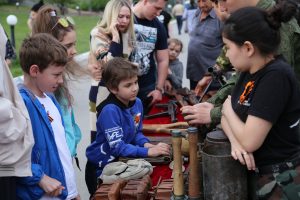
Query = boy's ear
x=113 y=90
x=34 y=70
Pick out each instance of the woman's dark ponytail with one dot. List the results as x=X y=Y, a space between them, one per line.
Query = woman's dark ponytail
x=283 y=11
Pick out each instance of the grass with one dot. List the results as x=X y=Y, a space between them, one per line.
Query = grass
x=84 y=24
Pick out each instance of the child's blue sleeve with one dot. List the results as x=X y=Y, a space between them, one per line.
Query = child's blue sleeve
x=37 y=174
x=119 y=142
x=28 y=187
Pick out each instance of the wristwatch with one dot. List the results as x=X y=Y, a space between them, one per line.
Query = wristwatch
x=160 y=89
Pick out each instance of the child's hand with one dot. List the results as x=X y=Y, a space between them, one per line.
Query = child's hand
x=168 y=86
x=51 y=186
x=202 y=84
x=95 y=71
x=56 y=192
x=77 y=198
x=159 y=149
x=161 y=144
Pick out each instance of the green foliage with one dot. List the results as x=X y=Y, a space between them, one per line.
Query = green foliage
x=83 y=25
x=84 y=5
x=95 y=5
x=15 y=68
x=62 y=2
x=98 y=4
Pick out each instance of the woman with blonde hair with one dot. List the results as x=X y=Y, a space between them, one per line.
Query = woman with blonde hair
x=113 y=36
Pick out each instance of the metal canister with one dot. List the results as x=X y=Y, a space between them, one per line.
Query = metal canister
x=223 y=177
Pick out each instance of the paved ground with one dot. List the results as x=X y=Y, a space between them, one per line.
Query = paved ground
x=80 y=90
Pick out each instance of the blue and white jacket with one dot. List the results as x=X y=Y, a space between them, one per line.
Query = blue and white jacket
x=44 y=158
x=119 y=133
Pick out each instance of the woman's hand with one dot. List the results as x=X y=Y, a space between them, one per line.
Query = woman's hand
x=238 y=152
x=115 y=32
x=245 y=158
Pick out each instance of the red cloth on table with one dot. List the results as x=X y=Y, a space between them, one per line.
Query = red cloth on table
x=162 y=171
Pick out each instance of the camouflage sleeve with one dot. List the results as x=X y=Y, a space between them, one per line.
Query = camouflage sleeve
x=220 y=97
x=216 y=114
x=222 y=61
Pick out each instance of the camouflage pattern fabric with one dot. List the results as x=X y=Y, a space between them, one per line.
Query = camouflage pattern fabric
x=220 y=97
x=281 y=186
x=222 y=61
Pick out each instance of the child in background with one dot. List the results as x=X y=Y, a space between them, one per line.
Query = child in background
x=63 y=30
x=119 y=122
x=43 y=59
x=33 y=12
x=175 y=72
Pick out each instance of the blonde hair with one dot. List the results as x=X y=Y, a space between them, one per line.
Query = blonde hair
x=110 y=15
x=176 y=42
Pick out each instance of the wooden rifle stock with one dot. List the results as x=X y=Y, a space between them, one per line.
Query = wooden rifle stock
x=164 y=128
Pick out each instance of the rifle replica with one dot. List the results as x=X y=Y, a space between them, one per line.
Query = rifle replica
x=171 y=111
x=164 y=128
x=217 y=75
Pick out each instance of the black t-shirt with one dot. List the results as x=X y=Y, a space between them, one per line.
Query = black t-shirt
x=150 y=37
x=272 y=94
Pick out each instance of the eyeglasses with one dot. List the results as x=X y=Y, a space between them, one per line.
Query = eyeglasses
x=64 y=22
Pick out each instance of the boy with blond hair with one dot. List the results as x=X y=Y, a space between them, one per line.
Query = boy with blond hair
x=175 y=71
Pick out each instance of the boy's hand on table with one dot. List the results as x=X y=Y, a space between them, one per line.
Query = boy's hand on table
x=159 y=149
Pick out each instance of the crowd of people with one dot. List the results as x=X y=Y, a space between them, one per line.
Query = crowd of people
x=133 y=60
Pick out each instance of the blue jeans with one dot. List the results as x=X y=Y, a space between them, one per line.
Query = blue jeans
x=179 y=23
